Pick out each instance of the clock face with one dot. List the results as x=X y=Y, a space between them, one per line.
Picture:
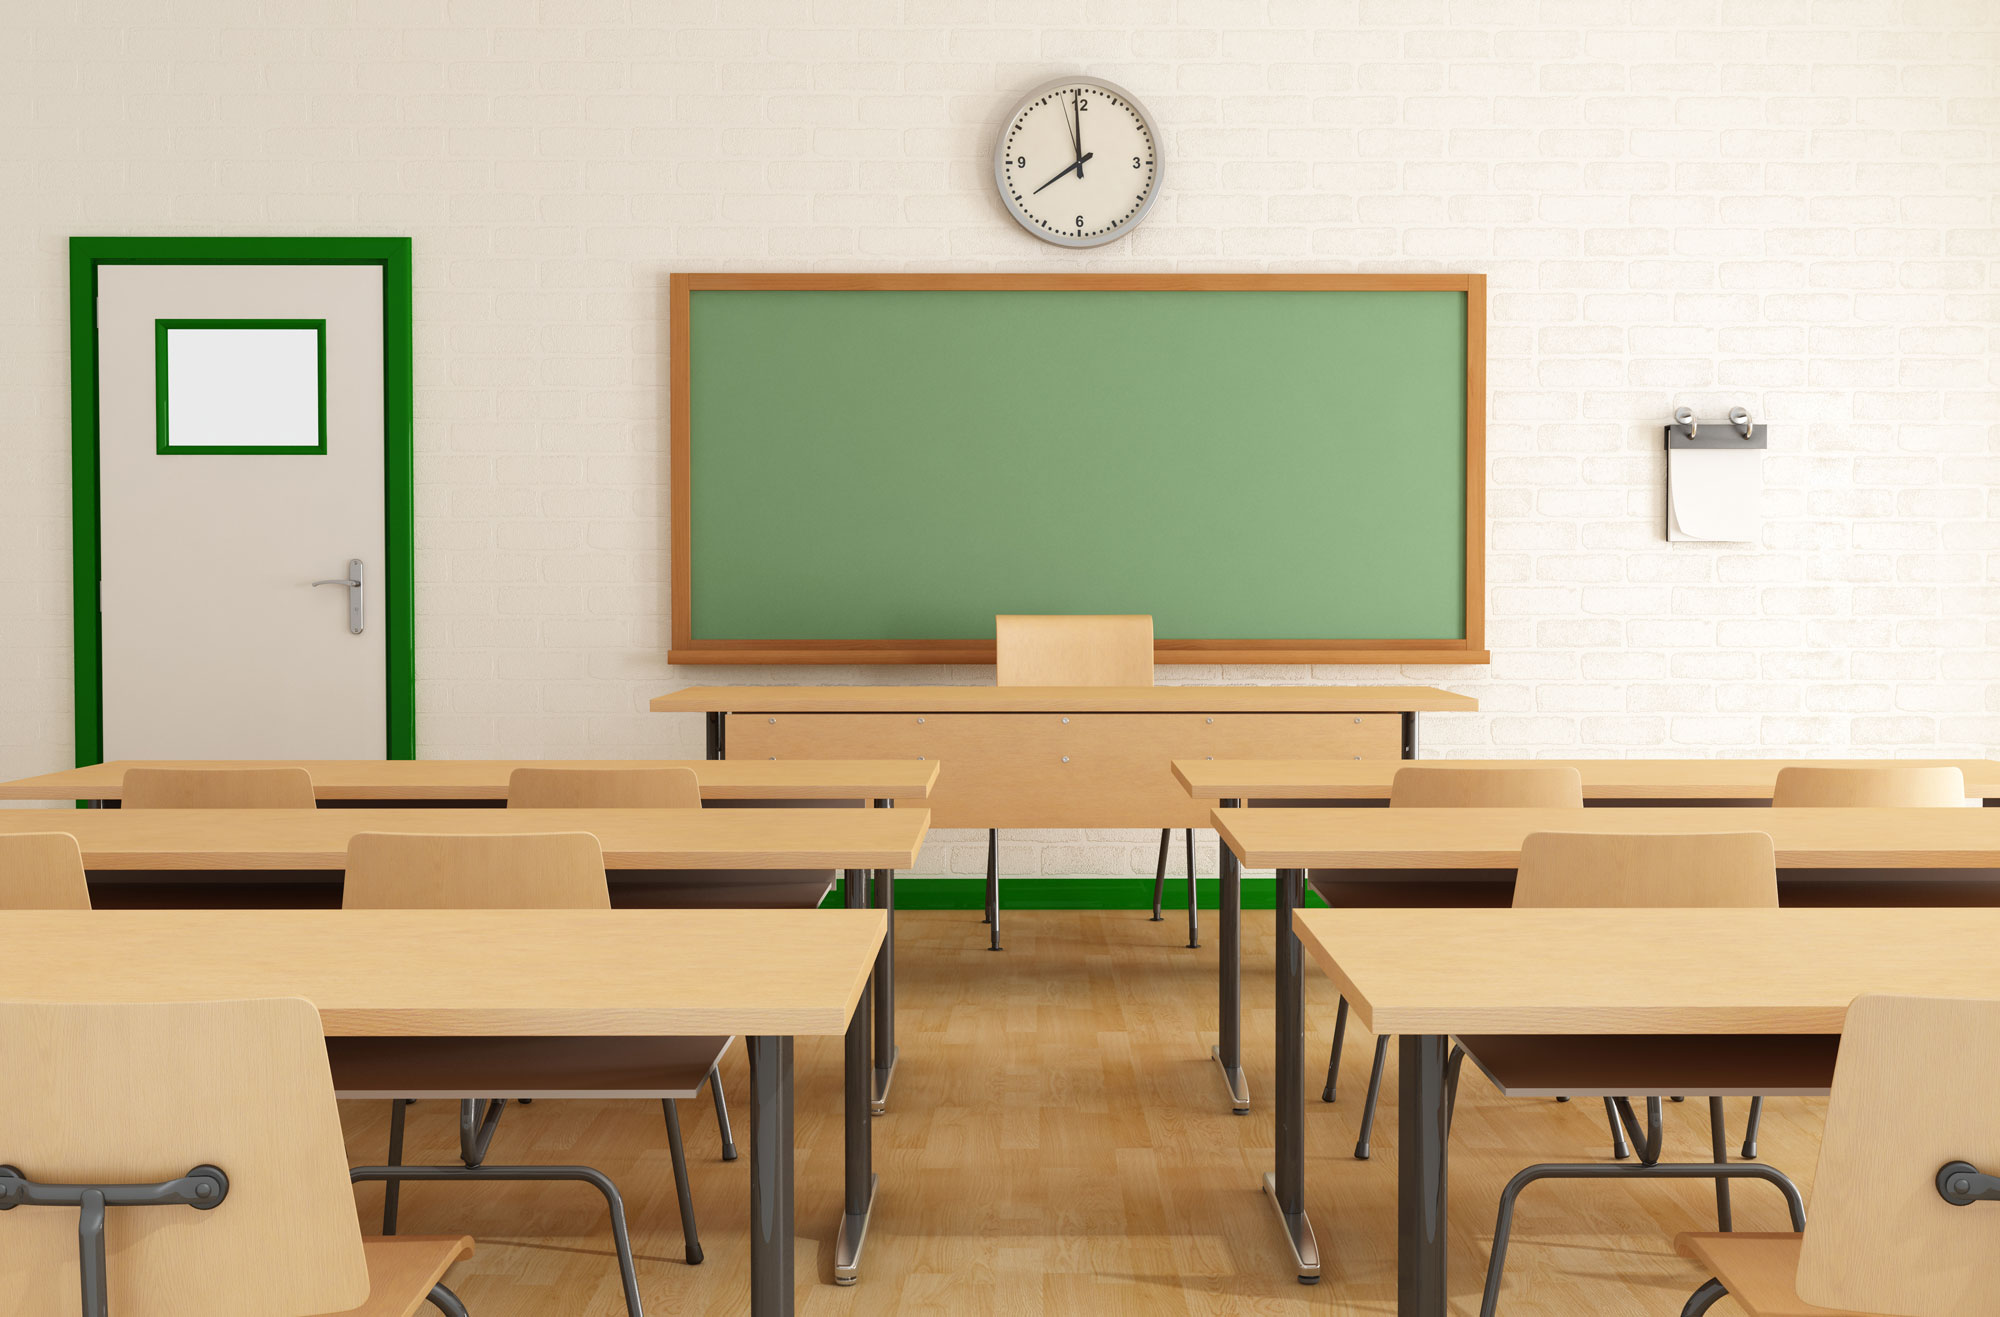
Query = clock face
x=1077 y=163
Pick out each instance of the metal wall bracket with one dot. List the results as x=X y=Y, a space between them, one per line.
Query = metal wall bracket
x=1962 y=1184
x=202 y=1188
x=1681 y=437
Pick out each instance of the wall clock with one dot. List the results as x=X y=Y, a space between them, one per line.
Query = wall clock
x=1078 y=162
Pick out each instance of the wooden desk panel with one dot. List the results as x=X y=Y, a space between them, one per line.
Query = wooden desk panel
x=486 y=779
x=1603 y=779
x=631 y=838
x=1641 y=972
x=1491 y=838
x=446 y=972
x=1061 y=699
x=1059 y=770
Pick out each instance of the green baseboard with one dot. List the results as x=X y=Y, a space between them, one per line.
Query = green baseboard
x=1067 y=894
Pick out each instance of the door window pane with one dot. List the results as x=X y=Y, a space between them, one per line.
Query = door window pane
x=241 y=386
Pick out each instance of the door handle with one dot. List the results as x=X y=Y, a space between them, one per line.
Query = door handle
x=357 y=606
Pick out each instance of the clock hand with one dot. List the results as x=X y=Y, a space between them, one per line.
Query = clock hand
x=1077 y=134
x=1078 y=167
x=1075 y=139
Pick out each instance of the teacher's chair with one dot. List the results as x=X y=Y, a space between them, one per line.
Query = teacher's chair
x=1079 y=650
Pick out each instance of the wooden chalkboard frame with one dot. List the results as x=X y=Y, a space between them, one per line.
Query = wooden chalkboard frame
x=686 y=648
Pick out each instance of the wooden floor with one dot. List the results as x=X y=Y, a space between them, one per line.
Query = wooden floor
x=1056 y=1142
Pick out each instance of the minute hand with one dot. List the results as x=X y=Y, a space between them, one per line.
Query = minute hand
x=1076 y=168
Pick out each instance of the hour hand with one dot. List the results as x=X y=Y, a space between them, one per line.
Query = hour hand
x=1076 y=168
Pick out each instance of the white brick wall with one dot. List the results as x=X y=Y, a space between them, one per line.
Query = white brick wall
x=1785 y=204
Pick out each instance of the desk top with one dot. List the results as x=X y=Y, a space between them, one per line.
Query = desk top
x=1642 y=971
x=1491 y=838
x=1062 y=699
x=1603 y=779
x=443 y=972
x=631 y=838
x=486 y=779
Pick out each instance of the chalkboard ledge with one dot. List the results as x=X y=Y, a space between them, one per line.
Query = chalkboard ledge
x=1166 y=652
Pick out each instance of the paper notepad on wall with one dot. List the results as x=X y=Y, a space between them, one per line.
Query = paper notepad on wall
x=1714 y=492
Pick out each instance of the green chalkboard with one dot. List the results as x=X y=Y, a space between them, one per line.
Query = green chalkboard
x=889 y=467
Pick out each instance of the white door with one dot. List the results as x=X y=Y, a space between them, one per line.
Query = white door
x=240 y=457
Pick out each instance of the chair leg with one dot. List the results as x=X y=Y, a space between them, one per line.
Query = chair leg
x=390 y=1196
x=1333 y=1057
x=1362 y=1145
x=1194 y=908
x=1160 y=873
x=476 y=1126
x=1711 y=1292
x=1504 y=1224
x=722 y=1115
x=1454 y=1064
x=1646 y=1142
x=1619 y=1150
x=993 y=885
x=621 y=1236
x=674 y=1145
x=445 y=1301
x=1750 y=1130
x=1718 y=1136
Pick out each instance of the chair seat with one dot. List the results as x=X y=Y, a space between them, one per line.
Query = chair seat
x=616 y=1067
x=1692 y=1065
x=1759 y=1271
x=402 y=1270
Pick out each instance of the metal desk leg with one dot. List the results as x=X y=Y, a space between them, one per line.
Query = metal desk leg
x=1422 y=1144
x=1228 y=1049
x=1287 y=1184
x=772 y=1228
x=716 y=746
x=885 y=986
x=859 y=1198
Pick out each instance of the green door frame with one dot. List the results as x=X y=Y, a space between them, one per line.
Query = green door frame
x=86 y=255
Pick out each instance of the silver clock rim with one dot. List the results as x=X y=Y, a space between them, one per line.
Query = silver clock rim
x=1007 y=196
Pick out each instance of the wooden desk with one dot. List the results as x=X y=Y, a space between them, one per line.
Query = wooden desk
x=1060 y=756
x=1624 y=781
x=631 y=838
x=768 y=975
x=1366 y=782
x=394 y=781
x=1292 y=841
x=858 y=841
x=1425 y=975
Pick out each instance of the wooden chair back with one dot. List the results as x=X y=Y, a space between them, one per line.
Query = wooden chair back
x=136 y=1094
x=42 y=871
x=1892 y=786
x=1078 y=650
x=503 y=871
x=603 y=788
x=1913 y=1089
x=1552 y=787
x=218 y=788
x=1706 y=871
